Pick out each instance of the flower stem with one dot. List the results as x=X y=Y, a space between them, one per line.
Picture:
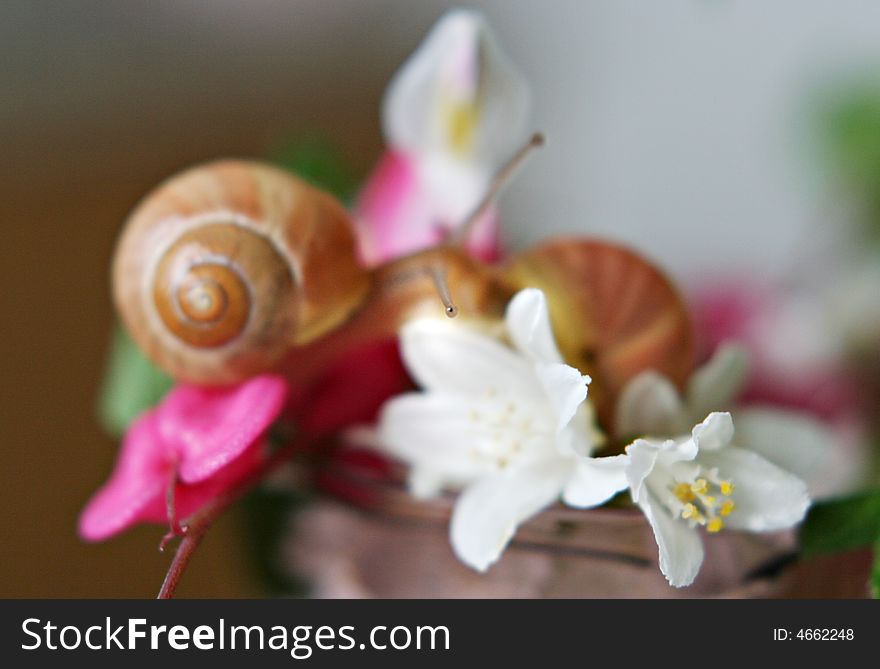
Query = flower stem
x=194 y=529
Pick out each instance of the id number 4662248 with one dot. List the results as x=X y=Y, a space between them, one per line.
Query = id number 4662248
x=814 y=634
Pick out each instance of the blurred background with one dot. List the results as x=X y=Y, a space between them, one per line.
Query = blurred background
x=716 y=136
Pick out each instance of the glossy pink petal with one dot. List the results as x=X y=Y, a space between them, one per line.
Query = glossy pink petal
x=189 y=498
x=136 y=489
x=210 y=427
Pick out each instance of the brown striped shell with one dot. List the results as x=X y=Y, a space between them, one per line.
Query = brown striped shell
x=225 y=266
x=615 y=315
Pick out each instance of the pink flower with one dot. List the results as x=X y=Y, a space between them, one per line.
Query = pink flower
x=396 y=214
x=793 y=363
x=352 y=390
x=205 y=439
x=453 y=113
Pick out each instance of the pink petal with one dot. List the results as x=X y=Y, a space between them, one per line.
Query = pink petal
x=727 y=310
x=189 y=498
x=353 y=389
x=135 y=491
x=382 y=206
x=209 y=427
x=826 y=393
x=742 y=310
x=395 y=217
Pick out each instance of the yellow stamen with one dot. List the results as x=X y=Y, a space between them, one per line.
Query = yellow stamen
x=700 y=486
x=683 y=492
x=698 y=506
x=462 y=119
x=690 y=511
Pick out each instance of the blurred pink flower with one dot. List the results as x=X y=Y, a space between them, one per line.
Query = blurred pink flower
x=793 y=363
x=396 y=215
x=453 y=113
x=206 y=439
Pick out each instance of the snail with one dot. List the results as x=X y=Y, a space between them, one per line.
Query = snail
x=234 y=268
x=224 y=267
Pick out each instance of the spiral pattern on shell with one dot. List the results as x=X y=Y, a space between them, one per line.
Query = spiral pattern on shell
x=205 y=282
x=226 y=266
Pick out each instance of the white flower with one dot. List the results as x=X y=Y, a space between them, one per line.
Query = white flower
x=459 y=106
x=508 y=425
x=651 y=406
x=701 y=480
x=681 y=482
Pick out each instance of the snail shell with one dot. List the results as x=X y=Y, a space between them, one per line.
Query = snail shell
x=615 y=314
x=226 y=266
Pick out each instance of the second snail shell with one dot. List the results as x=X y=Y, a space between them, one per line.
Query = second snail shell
x=225 y=266
x=615 y=314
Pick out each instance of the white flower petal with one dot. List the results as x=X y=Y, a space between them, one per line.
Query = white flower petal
x=457 y=94
x=714 y=433
x=433 y=432
x=683 y=450
x=681 y=551
x=643 y=456
x=565 y=389
x=425 y=481
x=595 y=481
x=415 y=423
x=767 y=498
x=650 y=406
x=715 y=385
x=798 y=444
x=447 y=356
x=529 y=327
x=488 y=512
x=581 y=436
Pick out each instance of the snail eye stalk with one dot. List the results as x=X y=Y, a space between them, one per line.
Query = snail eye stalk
x=460 y=234
x=438 y=275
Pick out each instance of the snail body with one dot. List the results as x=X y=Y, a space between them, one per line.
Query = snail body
x=235 y=268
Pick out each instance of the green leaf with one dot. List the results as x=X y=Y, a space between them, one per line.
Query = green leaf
x=842 y=524
x=131 y=384
x=321 y=163
x=854 y=130
x=875 y=571
x=852 y=136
